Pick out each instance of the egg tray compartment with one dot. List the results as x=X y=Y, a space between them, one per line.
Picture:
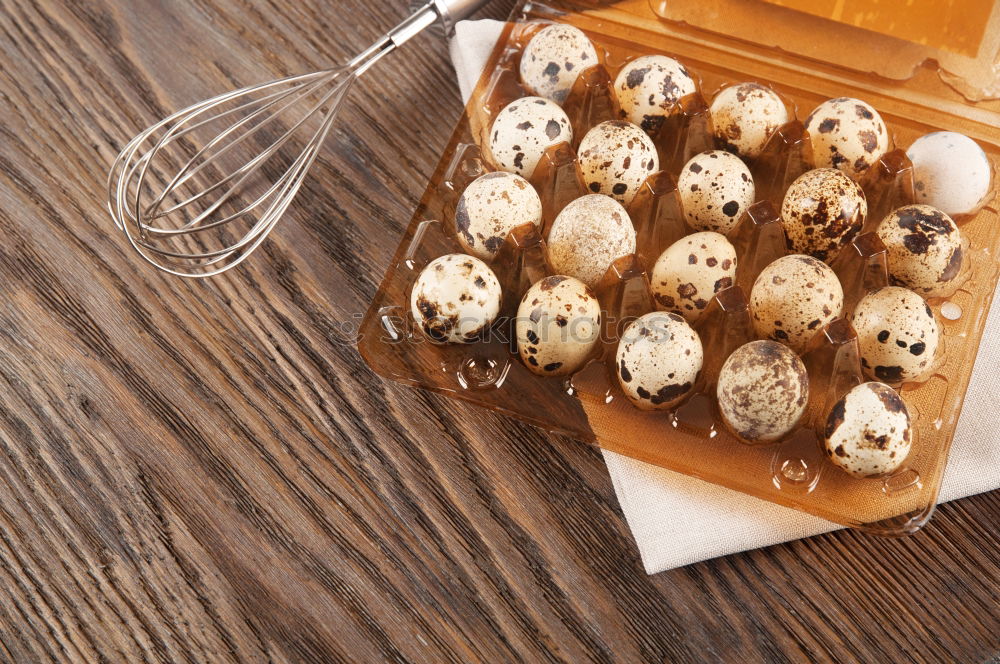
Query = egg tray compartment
x=691 y=439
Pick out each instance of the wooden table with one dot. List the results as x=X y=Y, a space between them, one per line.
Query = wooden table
x=207 y=472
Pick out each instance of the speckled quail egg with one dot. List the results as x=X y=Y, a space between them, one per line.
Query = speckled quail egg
x=649 y=87
x=847 y=134
x=762 y=391
x=588 y=235
x=868 y=431
x=490 y=208
x=822 y=212
x=659 y=357
x=715 y=188
x=793 y=299
x=898 y=334
x=616 y=158
x=744 y=117
x=691 y=271
x=951 y=172
x=558 y=325
x=522 y=132
x=553 y=60
x=455 y=298
x=925 y=248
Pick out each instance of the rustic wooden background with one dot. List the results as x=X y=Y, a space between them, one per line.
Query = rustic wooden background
x=207 y=472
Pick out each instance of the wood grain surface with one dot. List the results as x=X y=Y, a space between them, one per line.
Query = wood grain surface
x=207 y=472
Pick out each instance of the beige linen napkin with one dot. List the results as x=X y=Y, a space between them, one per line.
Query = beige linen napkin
x=677 y=520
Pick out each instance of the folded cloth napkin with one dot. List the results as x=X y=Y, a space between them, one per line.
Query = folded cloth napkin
x=677 y=520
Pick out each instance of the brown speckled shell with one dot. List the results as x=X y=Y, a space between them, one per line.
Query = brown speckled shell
x=793 y=299
x=588 y=235
x=847 y=134
x=744 y=117
x=762 y=391
x=658 y=360
x=716 y=188
x=455 y=299
x=616 y=158
x=691 y=271
x=898 y=335
x=557 y=326
x=649 y=87
x=867 y=433
x=553 y=60
x=522 y=132
x=925 y=248
x=822 y=212
x=490 y=207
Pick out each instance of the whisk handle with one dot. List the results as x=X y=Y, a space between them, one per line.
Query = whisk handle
x=453 y=11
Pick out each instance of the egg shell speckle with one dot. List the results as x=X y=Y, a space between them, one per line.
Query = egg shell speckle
x=616 y=158
x=762 y=391
x=950 y=172
x=868 y=433
x=898 y=334
x=558 y=325
x=490 y=207
x=588 y=235
x=522 y=132
x=793 y=299
x=455 y=298
x=658 y=359
x=691 y=271
x=553 y=60
x=745 y=116
x=649 y=87
x=822 y=212
x=716 y=188
x=925 y=248
x=847 y=134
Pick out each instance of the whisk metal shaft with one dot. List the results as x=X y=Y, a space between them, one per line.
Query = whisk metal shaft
x=193 y=233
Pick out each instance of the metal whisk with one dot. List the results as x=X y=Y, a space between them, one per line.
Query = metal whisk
x=196 y=193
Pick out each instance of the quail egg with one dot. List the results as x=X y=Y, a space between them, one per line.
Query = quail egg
x=950 y=172
x=925 y=248
x=745 y=116
x=588 y=235
x=897 y=334
x=522 y=132
x=868 y=431
x=762 y=391
x=649 y=87
x=715 y=188
x=847 y=134
x=553 y=60
x=557 y=325
x=659 y=357
x=691 y=271
x=490 y=208
x=616 y=158
x=822 y=212
x=793 y=299
x=455 y=298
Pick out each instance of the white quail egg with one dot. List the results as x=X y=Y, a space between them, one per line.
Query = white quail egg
x=925 y=248
x=649 y=87
x=897 y=334
x=553 y=60
x=715 y=188
x=616 y=158
x=793 y=299
x=588 y=235
x=745 y=116
x=691 y=271
x=822 y=212
x=659 y=357
x=868 y=431
x=762 y=391
x=455 y=298
x=847 y=134
x=490 y=208
x=951 y=172
x=558 y=325
x=522 y=132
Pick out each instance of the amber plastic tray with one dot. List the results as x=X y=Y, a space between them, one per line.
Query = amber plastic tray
x=589 y=405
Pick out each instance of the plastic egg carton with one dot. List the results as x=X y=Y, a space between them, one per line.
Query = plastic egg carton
x=691 y=439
